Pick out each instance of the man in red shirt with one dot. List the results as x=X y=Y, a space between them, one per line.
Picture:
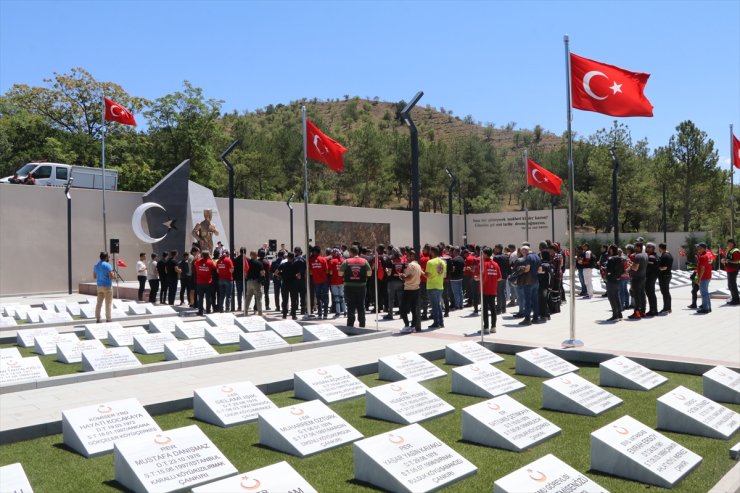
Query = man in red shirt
x=491 y=276
x=471 y=268
x=225 y=268
x=703 y=276
x=319 y=271
x=336 y=283
x=732 y=266
x=204 y=268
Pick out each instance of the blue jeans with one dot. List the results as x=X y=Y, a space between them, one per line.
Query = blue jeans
x=520 y=297
x=531 y=301
x=337 y=292
x=224 y=295
x=624 y=293
x=322 y=296
x=583 y=281
x=706 y=302
x=457 y=292
x=435 y=299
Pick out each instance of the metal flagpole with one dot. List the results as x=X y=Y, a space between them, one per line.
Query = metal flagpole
x=480 y=287
x=105 y=229
x=305 y=212
x=526 y=205
x=571 y=341
x=733 y=160
x=374 y=272
x=552 y=218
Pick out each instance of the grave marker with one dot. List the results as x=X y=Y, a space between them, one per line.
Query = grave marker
x=223 y=334
x=322 y=332
x=685 y=411
x=73 y=308
x=46 y=345
x=124 y=336
x=574 y=394
x=230 y=404
x=540 y=362
x=483 y=380
x=114 y=358
x=546 y=474
x=21 y=370
x=286 y=328
x=404 y=402
x=54 y=317
x=161 y=310
x=26 y=337
x=408 y=365
x=188 y=350
x=280 y=477
x=88 y=311
x=722 y=385
x=467 y=352
x=138 y=308
x=164 y=324
x=8 y=322
x=261 y=340
x=10 y=352
x=220 y=319
x=13 y=479
x=624 y=373
x=191 y=330
x=329 y=384
x=71 y=352
x=100 y=330
x=251 y=324
x=152 y=343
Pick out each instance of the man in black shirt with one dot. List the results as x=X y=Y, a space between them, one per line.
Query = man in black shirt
x=455 y=274
x=163 y=284
x=502 y=260
x=301 y=273
x=665 y=265
x=172 y=271
x=287 y=272
x=276 y=282
x=239 y=276
x=651 y=275
x=255 y=275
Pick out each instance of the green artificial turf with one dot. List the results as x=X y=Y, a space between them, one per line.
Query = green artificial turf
x=50 y=466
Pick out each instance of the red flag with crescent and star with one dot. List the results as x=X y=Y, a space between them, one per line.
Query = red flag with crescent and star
x=539 y=177
x=114 y=112
x=607 y=89
x=735 y=151
x=320 y=147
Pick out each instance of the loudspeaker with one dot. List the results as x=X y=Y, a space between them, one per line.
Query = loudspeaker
x=273 y=245
x=115 y=245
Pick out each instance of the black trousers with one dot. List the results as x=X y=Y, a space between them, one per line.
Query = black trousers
x=266 y=288
x=501 y=296
x=732 y=286
x=203 y=292
x=382 y=294
x=153 y=290
x=289 y=292
x=277 y=288
x=354 y=296
x=489 y=306
x=410 y=303
x=638 y=292
x=165 y=288
x=142 y=287
x=171 y=290
x=665 y=283
x=395 y=292
x=544 y=305
x=650 y=293
x=612 y=292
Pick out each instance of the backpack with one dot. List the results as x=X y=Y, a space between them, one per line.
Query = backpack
x=546 y=276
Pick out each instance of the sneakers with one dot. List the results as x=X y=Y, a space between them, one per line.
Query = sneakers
x=702 y=311
x=435 y=326
x=407 y=330
x=526 y=321
x=692 y=306
x=511 y=303
x=614 y=318
x=650 y=314
x=486 y=332
x=664 y=311
x=635 y=316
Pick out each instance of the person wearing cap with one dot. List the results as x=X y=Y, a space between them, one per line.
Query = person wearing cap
x=703 y=276
x=731 y=264
x=225 y=268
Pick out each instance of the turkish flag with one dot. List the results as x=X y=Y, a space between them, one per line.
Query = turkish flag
x=735 y=151
x=539 y=177
x=121 y=263
x=114 y=112
x=607 y=89
x=320 y=147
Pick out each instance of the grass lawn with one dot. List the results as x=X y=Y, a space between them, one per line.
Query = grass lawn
x=52 y=467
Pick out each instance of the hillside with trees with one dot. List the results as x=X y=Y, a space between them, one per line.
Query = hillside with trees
x=61 y=121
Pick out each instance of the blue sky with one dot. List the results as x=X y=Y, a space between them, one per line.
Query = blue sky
x=497 y=61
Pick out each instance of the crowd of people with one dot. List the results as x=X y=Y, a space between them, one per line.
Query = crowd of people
x=428 y=285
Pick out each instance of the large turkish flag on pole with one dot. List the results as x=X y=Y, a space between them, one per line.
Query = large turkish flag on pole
x=114 y=112
x=323 y=148
x=539 y=177
x=735 y=151
x=607 y=89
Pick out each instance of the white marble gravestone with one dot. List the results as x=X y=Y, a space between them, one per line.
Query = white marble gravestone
x=56 y=305
x=540 y=362
x=10 y=352
x=278 y=478
x=161 y=310
x=467 y=352
x=125 y=335
x=629 y=449
x=547 y=474
x=624 y=373
x=7 y=322
x=71 y=352
x=138 y=308
x=404 y=402
x=33 y=316
x=188 y=350
x=26 y=337
x=266 y=339
x=47 y=345
x=230 y=404
x=410 y=365
x=286 y=328
x=113 y=358
x=483 y=380
x=504 y=423
x=152 y=343
x=251 y=324
x=571 y=393
x=116 y=314
x=220 y=319
x=13 y=479
x=685 y=411
x=328 y=384
x=322 y=332
x=168 y=461
x=54 y=317
x=304 y=429
x=191 y=330
x=100 y=331
x=21 y=370
x=722 y=385
x=91 y=430
x=88 y=311
x=18 y=312
x=73 y=308
x=409 y=460
x=222 y=335
x=163 y=324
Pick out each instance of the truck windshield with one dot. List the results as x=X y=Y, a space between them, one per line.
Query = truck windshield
x=27 y=168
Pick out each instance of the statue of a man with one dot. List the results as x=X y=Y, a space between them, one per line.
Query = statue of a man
x=203 y=231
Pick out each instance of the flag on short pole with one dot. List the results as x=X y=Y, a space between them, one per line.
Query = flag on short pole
x=539 y=177
x=114 y=112
x=323 y=148
x=121 y=263
x=608 y=89
x=736 y=152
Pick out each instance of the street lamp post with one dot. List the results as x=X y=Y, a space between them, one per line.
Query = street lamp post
x=615 y=202
x=291 y=218
x=453 y=182
x=406 y=117
x=230 y=168
x=69 y=233
x=465 y=222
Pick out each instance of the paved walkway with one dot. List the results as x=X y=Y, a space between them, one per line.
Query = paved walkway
x=682 y=336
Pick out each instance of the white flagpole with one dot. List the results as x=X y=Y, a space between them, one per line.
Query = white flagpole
x=526 y=199
x=480 y=288
x=733 y=160
x=105 y=229
x=305 y=211
x=572 y=341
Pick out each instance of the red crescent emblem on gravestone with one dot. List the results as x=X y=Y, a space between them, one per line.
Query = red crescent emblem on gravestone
x=186 y=343
x=566 y=381
x=474 y=368
x=249 y=484
x=621 y=430
x=538 y=476
x=107 y=352
x=321 y=371
x=680 y=397
x=226 y=389
x=619 y=362
x=296 y=411
x=162 y=440
x=721 y=373
x=396 y=388
x=493 y=406
x=396 y=439
x=402 y=357
x=103 y=409
x=12 y=362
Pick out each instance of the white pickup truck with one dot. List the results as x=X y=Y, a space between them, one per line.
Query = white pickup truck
x=57 y=175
